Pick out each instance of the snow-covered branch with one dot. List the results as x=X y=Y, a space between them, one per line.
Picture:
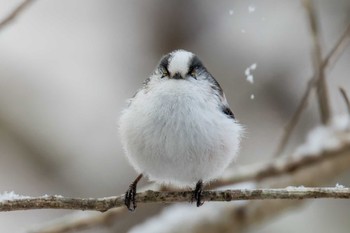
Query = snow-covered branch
x=324 y=155
x=104 y=204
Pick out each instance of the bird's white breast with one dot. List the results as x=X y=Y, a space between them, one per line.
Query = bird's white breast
x=174 y=132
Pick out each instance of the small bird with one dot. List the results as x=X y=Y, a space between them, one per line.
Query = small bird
x=178 y=128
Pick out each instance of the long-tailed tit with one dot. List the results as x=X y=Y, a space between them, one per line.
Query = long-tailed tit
x=178 y=128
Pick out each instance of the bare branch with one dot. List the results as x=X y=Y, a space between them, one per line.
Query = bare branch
x=346 y=98
x=106 y=203
x=322 y=92
x=327 y=64
x=74 y=223
x=337 y=50
x=15 y=13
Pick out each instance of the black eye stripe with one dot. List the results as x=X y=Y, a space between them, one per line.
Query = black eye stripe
x=164 y=62
x=192 y=68
x=195 y=63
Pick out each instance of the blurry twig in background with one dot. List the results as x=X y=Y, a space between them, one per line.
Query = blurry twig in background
x=327 y=64
x=76 y=222
x=15 y=13
x=346 y=98
x=322 y=91
x=275 y=168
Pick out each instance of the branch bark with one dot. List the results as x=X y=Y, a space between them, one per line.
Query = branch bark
x=346 y=99
x=322 y=91
x=15 y=13
x=104 y=204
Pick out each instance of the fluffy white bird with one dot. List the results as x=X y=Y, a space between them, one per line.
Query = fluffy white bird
x=178 y=128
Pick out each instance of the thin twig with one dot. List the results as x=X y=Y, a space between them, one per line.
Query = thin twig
x=327 y=64
x=75 y=223
x=104 y=204
x=15 y=13
x=346 y=98
x=322 y=92
x=337 y=50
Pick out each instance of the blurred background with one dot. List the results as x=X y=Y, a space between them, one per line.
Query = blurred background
x=67 y=68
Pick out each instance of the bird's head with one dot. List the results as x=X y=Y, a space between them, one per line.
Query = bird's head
x=180 y=64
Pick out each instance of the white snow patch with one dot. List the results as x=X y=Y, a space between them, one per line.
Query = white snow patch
x=326 y=137
x=339 y=186
x=294 y=188
x=250 y=78
x=231 y=12
x=247 y=72
x=252 y=96
x=244 y=185
x=9 y=196
x=251 y=8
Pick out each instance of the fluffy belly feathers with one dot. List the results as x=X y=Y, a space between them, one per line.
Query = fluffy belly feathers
x=180 y=139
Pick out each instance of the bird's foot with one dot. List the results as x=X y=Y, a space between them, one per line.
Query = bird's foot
x=197 y=193
x=131 y=194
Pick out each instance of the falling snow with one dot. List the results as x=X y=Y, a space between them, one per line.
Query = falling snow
x=252 y=96
x=249 y=76
x=251 y=9
x=230 y=12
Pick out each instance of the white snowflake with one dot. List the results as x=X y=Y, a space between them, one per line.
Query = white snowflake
x=251 y=9
x=247 y=72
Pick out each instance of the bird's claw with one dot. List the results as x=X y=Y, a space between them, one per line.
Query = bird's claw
x=130 y=195
x=130 y=198
x=197 y=194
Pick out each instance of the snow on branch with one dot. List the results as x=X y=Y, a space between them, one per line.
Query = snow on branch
x=324 y=155
x=104 y=204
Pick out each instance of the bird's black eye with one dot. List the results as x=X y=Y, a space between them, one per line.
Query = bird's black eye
x=193 y=71
x=164 y=72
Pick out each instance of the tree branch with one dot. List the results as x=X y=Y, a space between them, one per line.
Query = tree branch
x=15 y=13
x=277 y=169
x=346 y=98
x=322 y=91
x=106 y=203
x=327 y=64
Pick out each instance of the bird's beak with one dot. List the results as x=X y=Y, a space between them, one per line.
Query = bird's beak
x=177 y=76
